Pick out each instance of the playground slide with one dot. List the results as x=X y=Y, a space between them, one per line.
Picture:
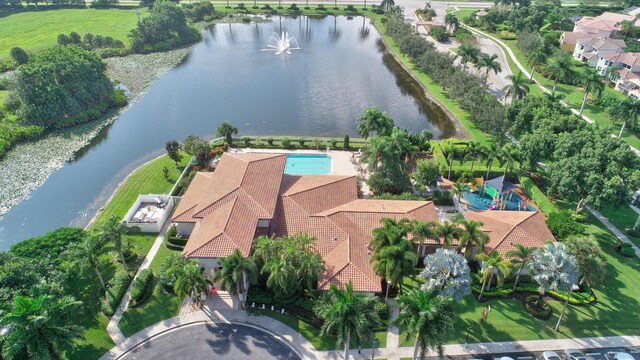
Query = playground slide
x=492 y=206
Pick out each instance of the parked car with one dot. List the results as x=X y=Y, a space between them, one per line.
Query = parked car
x=622 y=356
x=550 y=355
x=572 y=354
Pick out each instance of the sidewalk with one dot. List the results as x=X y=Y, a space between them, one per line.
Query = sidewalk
x=619 y=234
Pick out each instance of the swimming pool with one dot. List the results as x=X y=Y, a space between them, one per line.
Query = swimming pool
x=485 y=202
x=308 y=164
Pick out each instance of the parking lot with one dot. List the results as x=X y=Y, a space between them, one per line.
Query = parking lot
x=592 y=354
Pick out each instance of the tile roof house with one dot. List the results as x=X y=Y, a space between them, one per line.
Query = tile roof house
x=589 y=50
x=506 y=228
x=249 y=195
x=606 y=25
x=568 y=39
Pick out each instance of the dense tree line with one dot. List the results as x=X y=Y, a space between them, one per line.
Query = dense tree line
x=467 y=89
x=165 y=28
x=61 y=86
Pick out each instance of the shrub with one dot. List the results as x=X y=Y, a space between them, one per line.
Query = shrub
x=142 y=287
x=19 y=55
x=301 y=142
x=115 y=291
x=439 y=33
x=165 y=278
x=247 y=141
x=627 y=251
x=631 y=231
x=382 y=309
x=320 y=7
x=351 y=8
x=258 y=296
x=246 y=19
x=443 y=198
x=270 y=141
x=334 y=143
x=562 y=224
x=294 y=7
x=286 y=143
x=542 y=311
x=345 y=143
x=63 y=40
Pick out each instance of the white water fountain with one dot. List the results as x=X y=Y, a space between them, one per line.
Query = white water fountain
x=282 y=43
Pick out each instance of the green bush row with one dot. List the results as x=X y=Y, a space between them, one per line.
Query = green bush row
x=537 y=196
x=142 y=287
x=115 y=291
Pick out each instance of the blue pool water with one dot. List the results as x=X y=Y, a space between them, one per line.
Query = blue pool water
x=483 y=202
x=308 y=164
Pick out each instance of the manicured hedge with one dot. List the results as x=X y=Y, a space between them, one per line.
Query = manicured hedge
x=115 y=291
x=537 y=196
x=142 y=287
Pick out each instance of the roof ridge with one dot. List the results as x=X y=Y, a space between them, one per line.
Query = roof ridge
x=334 y=274
x=256 y=202
x=216 y=202
x=184 y=212
x=340 y=178
x=202 y=245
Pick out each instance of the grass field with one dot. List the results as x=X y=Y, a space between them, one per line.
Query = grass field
x=38 y=30
x=621 y=218
x=618 y=296
x=3 y=96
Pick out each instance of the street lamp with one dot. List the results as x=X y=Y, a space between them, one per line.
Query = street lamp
x=374 y=342
x=571 y=289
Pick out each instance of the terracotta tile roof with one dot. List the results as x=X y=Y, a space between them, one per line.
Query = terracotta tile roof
x=599 y=43
x=628 y=58
x=627 y=74
x=512 y=227
x=571 y=37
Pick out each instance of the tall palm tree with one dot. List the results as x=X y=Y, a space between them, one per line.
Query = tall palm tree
x=423 y=231
x=472 y=239
x=393 y=262
x=88 y=252
x=427 y=318
x=112 y=231
x=467 y=53
x=553 y=268
x=387 y=4
x=448 y=232
x=474 y=151
x=489 y=63
x=191 y=282
x=537 y=57
x=379 y=152
x=509 y=155
x=40 y=327
x=390 y=232
x=559 y=68
x=227 y=130
x=401 y=144
x=235 y=273
x=491 y=153
x=521 y=255
x=518 y=88
x=592 y=82
x=347 y=315
x=493 y=264
x=373 y=120
x=626 y=111
x=451 y=21
x=447 y=273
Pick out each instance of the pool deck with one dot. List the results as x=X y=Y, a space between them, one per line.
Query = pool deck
x=342 y=162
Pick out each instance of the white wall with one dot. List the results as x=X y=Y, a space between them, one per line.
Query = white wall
x=185 y=229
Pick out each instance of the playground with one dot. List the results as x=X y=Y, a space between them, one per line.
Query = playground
x=495 y=194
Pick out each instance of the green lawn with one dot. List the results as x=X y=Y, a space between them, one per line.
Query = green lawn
x=622 y=217
x=160 y=305
x=148 y=179
x=321 y=343
x=3 y=96
x=434 y=89
x=38 y=30
x=618 y=297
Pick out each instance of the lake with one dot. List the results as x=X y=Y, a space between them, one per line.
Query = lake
x=319 y=90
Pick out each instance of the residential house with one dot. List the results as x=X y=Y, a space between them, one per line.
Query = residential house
x=568 y=39
x=588 y=50
x=606 y=25
x=624 y=61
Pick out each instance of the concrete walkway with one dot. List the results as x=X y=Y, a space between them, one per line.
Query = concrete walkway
x=619 y=234
x=393 y=333
x=306 y=350
x=112 y=327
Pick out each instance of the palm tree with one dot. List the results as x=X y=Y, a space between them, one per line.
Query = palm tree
x=401 y=144
x=521 y=255
x=474 y=151
x=519 y=87
x=592 y=82
x=387 y=4
x=472 y=239
x=40 y=327
x=227 y=130
x=493 y=264
x=489 y=63
x=537 y=57
x=491 y=153
x=426 y=318
x=190 y=282
x=374 y=120
x=626 y=111
x=389 y=233
x=448 y=232
x=553 y=268
x=559 y=68
x=467 y=53
x=422 y=231
x=379 y=153
x=451 y=21
x=235 y=273
x=394 y=261
x=447 y=273
x=88 y=252
x=112 y=231
x=347 y=315
x=509 y=155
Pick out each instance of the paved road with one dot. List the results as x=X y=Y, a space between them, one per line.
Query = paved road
x=213 y=341
x=592 y=354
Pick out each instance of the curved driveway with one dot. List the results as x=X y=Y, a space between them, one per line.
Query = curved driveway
x=213 y=341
